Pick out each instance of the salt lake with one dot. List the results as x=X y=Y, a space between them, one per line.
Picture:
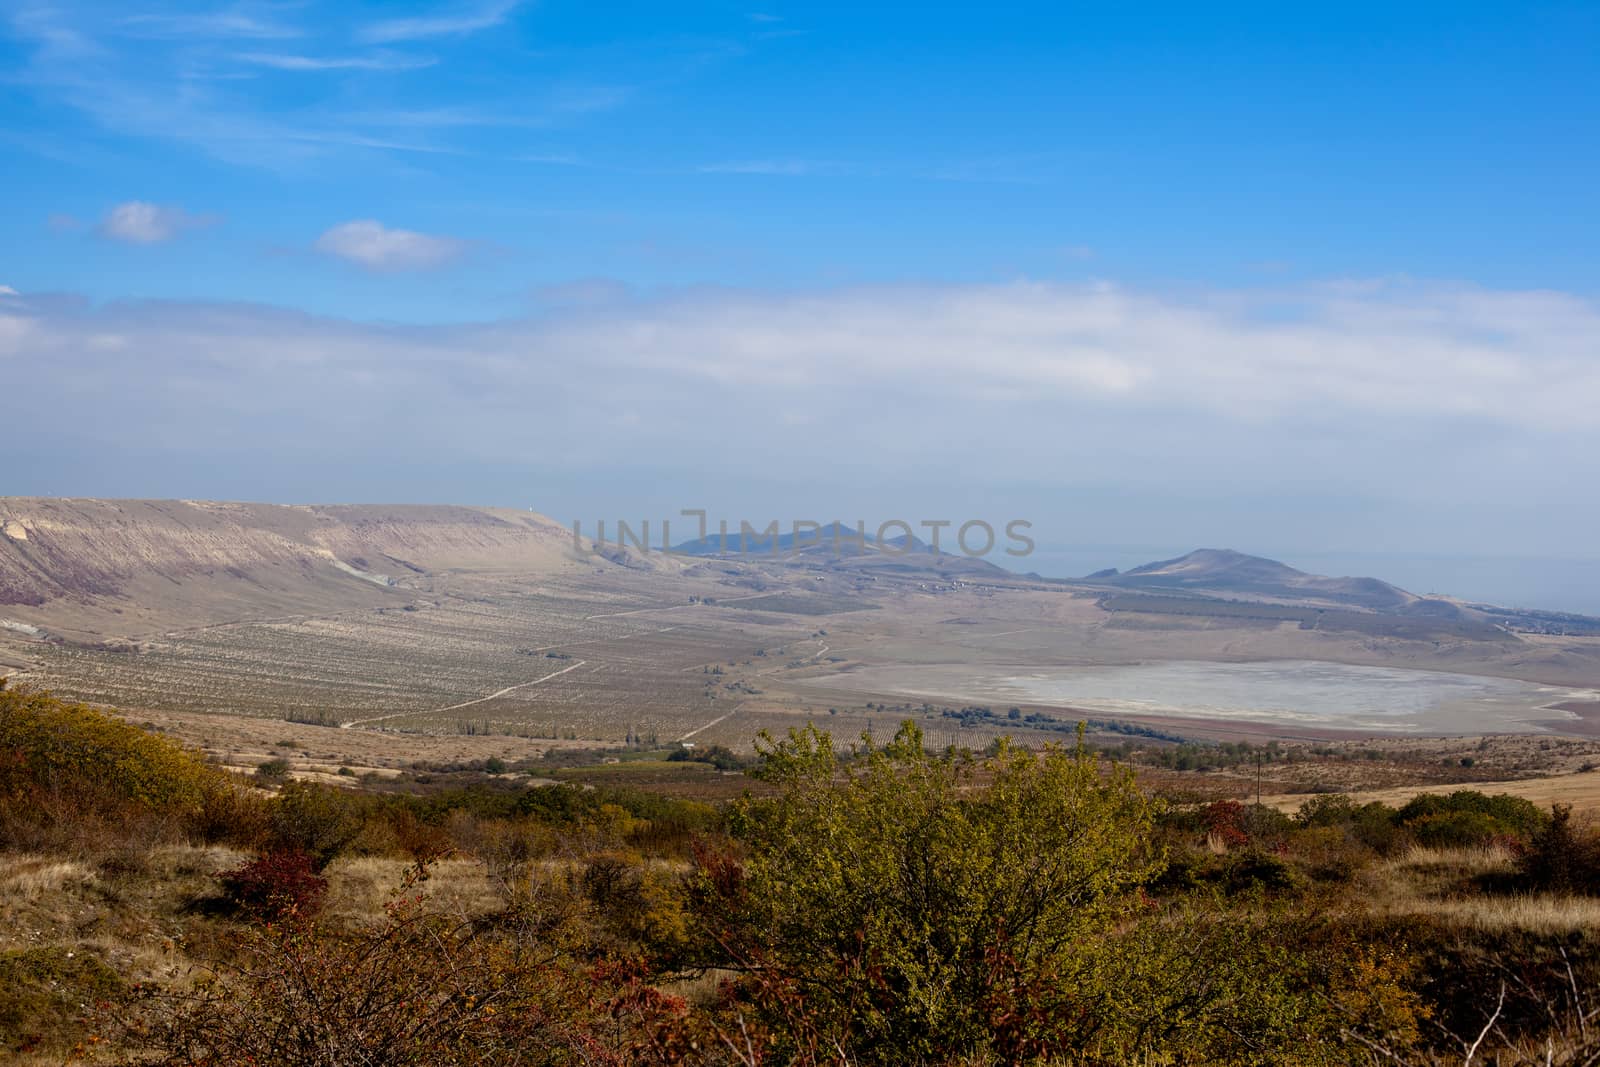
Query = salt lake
x=1301 y=692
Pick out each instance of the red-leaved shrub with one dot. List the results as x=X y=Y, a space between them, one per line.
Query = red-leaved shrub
x=1225 y=820
x=276 y=885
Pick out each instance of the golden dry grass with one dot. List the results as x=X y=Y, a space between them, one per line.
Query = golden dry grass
x=28 y=877
x=1441 y=883
x=358 y=887
x=39 y=891
x=1534 y=913
x=701 y=989
x=1484 y=859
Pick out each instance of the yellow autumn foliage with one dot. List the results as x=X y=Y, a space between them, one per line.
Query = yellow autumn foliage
x=61 y=747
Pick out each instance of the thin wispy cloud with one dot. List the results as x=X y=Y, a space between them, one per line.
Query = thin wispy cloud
x=453 y=22
x=193 y=78
x=330 y=141
x=140 y=222
x=378 y=61
x=55 y=37
x=376 y=247
x=235 y=23
x=541 y=111
x=436 y=118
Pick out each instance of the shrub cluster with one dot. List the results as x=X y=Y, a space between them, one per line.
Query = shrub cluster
x=876 y=904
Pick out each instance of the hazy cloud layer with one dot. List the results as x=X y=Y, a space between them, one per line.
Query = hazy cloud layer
x=1400 y=350
x=1445 y=407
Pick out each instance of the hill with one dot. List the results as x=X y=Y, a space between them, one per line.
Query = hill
x=1224 y=571
x=835 y=538
x=87 y=567
x=843 y=547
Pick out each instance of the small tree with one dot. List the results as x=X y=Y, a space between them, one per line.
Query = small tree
x=315 y=821
x=902 y=905
x=1561 y=858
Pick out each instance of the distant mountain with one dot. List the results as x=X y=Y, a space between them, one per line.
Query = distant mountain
x=844 y=547
x=1224 y=571
x=834 y=539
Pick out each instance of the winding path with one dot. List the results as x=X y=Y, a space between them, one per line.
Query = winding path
x=709 y=725
x=464 y=703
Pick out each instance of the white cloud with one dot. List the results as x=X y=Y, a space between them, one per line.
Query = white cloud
x=143 y=223
x=445 y=24
x=372 y=245
x=6 y=290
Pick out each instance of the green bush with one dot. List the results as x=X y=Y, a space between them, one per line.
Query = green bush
x=1254 y=870
x=1327 y=809
x=273 y=770
x=1468 y=817
x=719 y=756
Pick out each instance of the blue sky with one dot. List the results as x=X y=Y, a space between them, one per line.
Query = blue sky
x=1313 y=277
x=735 y=144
